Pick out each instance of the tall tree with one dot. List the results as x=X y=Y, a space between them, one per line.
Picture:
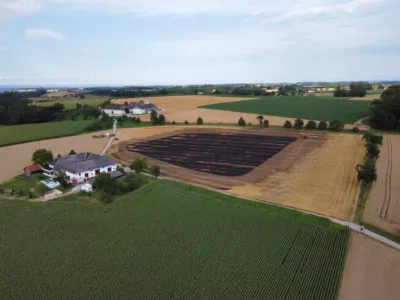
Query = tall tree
x=42 y=157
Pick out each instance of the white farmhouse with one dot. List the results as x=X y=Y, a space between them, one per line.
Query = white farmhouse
x=133 y=108
x=80 y=167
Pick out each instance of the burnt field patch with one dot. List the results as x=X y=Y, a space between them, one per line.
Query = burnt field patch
x=224 y=154
x=221 y=158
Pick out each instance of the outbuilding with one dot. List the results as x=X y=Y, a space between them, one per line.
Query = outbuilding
x=32 y=170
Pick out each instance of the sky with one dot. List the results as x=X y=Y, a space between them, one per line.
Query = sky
x=147 y=42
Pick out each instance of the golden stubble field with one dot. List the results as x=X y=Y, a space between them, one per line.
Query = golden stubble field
x=15 y=158
x=324 y=181
x=371 y=272
x=383 y=205
x=184 y=108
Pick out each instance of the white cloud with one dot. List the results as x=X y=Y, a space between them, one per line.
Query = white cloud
x=44 y=33
x=12 y=8
x=329 y=9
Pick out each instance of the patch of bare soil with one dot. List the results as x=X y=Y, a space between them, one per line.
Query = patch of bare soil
x=368 y=97
x=15 y=158
x=383 y=204
x=371 y=272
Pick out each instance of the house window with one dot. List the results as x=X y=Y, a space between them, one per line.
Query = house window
x=86 y=175
x=109 y=169
x=97 y=171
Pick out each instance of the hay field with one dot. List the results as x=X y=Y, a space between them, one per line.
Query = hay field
x=323 y=182
x=185 y=108
x=383 y=205
x=371 y=272
x=15 y=158
x=368 y=97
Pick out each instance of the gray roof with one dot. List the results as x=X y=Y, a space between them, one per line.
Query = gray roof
x=130 y=106
x=81 y=163
x=114 y=106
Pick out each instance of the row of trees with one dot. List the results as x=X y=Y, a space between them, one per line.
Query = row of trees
x=385 y=112
x=366 y=171
x=356 y=89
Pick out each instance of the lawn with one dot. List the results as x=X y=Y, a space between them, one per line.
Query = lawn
x=71 y=103
x=17 y=134
x=167 y=240
x=314 y=108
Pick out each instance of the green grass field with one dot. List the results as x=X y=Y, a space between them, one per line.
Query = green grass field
x=17 y=134
x=71 y=103
x=315 y=108
x=167 y=240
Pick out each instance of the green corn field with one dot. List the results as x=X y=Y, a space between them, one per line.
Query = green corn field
x=167 y=240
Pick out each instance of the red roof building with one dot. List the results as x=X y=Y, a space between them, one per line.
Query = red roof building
x=32 y=170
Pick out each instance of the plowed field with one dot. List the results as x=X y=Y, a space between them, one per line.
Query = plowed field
x=383 y=204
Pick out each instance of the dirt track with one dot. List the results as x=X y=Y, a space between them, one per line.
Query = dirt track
x=371 y=272
x=314 y=176
x=15 y=158
x=383 y=204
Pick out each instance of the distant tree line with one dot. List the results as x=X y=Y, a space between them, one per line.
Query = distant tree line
x=15 y=109
x=356 y=89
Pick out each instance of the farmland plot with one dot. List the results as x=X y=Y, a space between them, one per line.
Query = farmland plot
x=168 y=240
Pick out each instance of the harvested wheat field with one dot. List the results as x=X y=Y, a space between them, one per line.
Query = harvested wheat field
x=368 y=97
x=15 y=158
x=383 y=205
x=316 y=172
x=184 y=108
x=371 y=272
x=323 y=182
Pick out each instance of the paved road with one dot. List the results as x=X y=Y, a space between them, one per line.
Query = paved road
x=114 y=132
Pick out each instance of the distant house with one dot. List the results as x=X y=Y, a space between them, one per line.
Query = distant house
x=310 y=95
x=80 y=167
x=133 y=108
x=32 y=170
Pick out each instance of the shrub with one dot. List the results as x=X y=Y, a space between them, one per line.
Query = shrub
x=155 y=170
x=133 y=119
x=311 y=125
x=336 y=125
x=288 y=124
x=105 y=198
x=138 y=120
x=186 y=123
x=266 y=123
x=355 y=129
x=173 y=123
x=40 y=189
x=298 y=124
x=322 y=125
x=199 y=121
x=138 y=165
x=161 y=120
x=249 y=124
x=241 y=122
x=103 y=182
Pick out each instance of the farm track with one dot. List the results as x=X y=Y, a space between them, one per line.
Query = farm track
x=388 y=182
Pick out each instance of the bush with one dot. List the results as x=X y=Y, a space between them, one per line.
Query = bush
x=133 y=119
x=103 y=182
x=311 y=125
x=186 y=123
x=336 y=125
x=199 y=121
x=250 y=124
x=161 y=120
x=105 y=198
x=355 y=129
x=266 y=123
x=322 y=125
x=155 y=171
x=173 y=123
x=40 y=189
x=138 y=165
x=241 y=122
x=138 y=120
x=298 y=124
x=288 y=124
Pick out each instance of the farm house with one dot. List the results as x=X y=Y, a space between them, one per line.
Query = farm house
x=80 y=167
x=133 y=108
